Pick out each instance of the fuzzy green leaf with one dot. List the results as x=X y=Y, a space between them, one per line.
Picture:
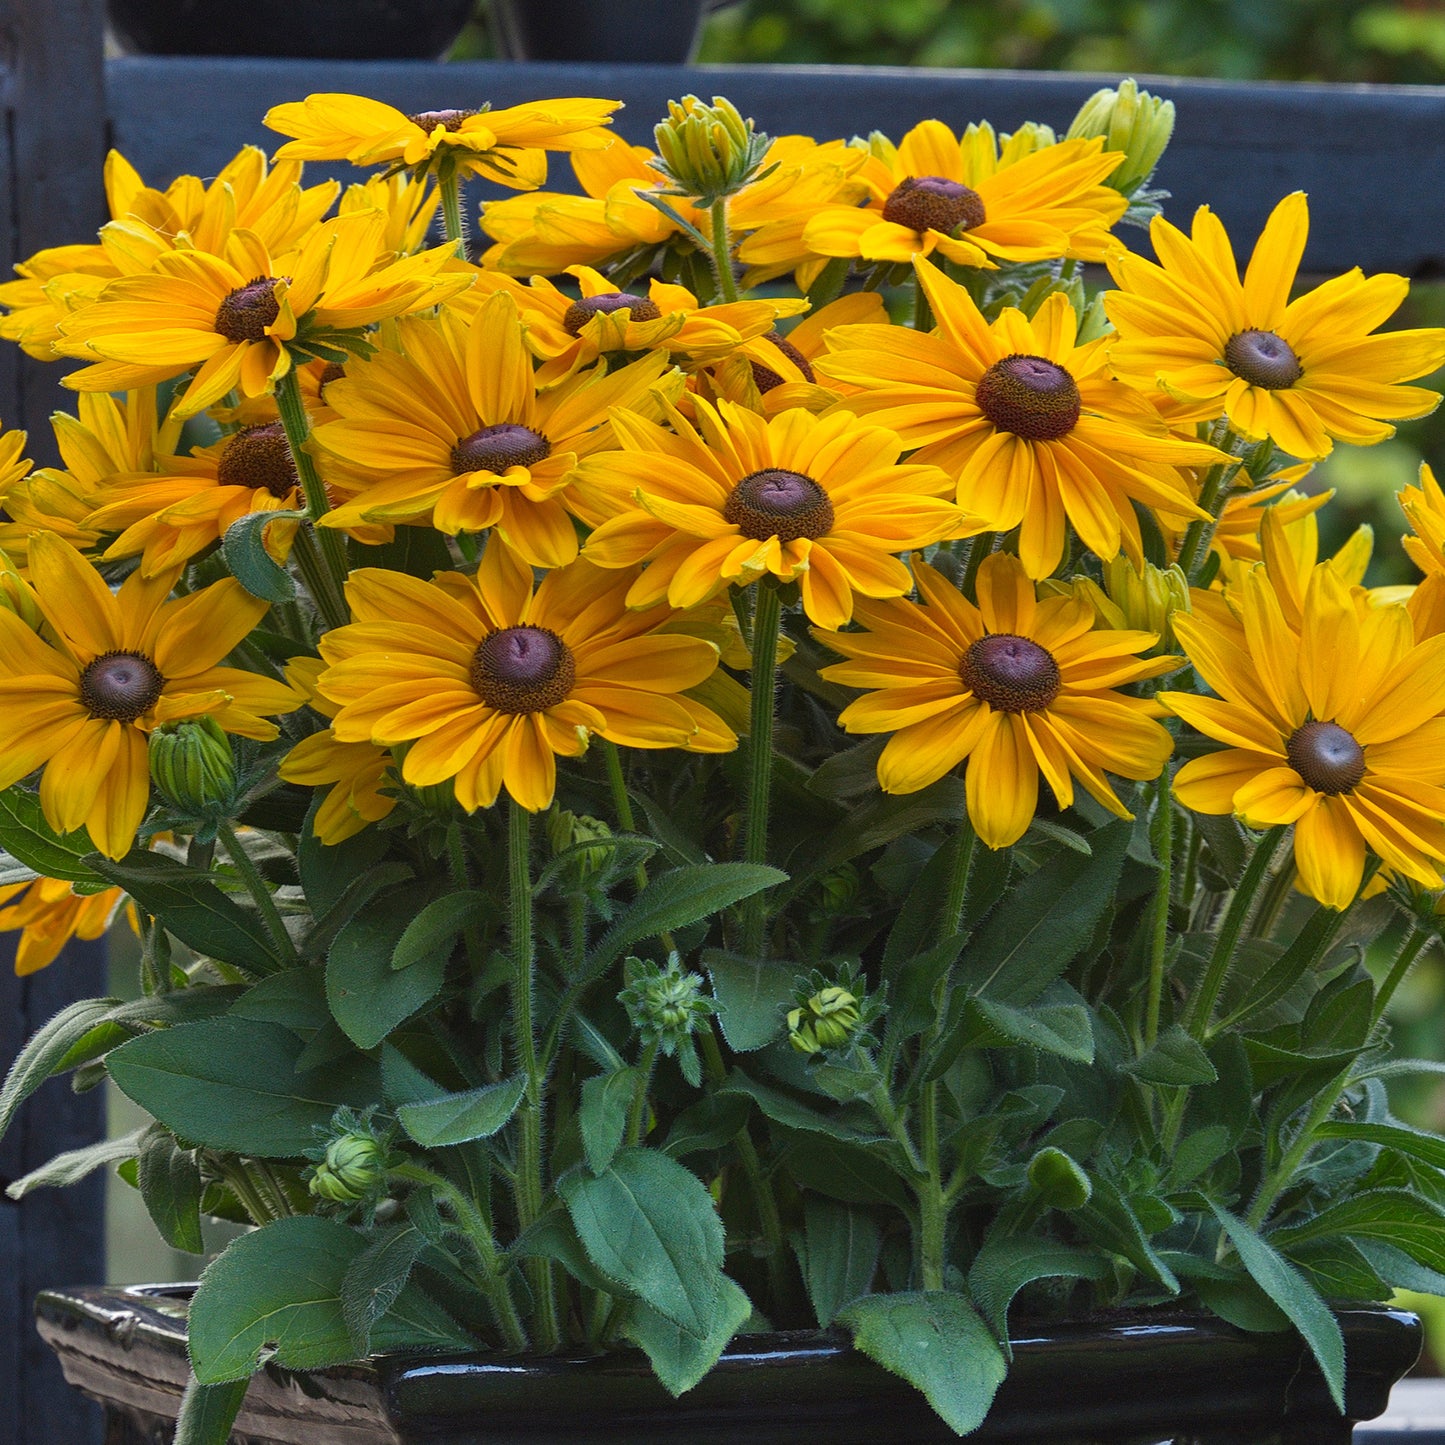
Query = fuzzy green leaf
x=243 y=548
x=45 y=1052
x=433 y=932
x=368 y=997
x=602 y=1118
x=170 y=1184
x=680 y=1359
x=839 y=1256
x=460 y=1118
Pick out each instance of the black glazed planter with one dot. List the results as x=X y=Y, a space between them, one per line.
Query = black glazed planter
x=1127 y=1380
x=313 y=30
x=662 y=32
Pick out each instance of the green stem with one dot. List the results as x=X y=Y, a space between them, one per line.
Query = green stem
x=1194 y=550
x=461 y=881
x=320 y=552
x=1411 y=946
x=965 y=843
x=453 y=224
x=239 y=1183
x=622 y=802
x=722 y=251
x=1159 y=925
x=1281 y=1175
x=767 y=617
x=932 y=1207
x=977 y=552
x=922 y=311
x=527 y=1186
x=638 y=1112
x=260 y=893
x=1201 y=1007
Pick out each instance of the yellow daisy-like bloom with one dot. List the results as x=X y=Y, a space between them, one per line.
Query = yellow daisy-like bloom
x=1236 y=537
x=354 y=774
x=120 y=664
x=453 y=430
x=1018 y=686
x=1031 y=424
x=567 y=334
x=1337 y=730
x=1424 y=509
x=1303 y=373
x=822 y=501
x=49 y=913
x=506 y=146
x=236 y=316
x=973 y=201
x=490 y=681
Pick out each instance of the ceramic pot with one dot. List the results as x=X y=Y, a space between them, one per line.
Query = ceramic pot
x=662 y=32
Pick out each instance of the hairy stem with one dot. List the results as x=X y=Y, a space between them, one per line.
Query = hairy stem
x=767 y=617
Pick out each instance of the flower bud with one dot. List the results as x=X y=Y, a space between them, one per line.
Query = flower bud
x=1149 y=598
x=353 y=1167
x=708 y=152
x=567 y=830
x=16 y=596
x=194 y=768
x=664 y=1004
x=1132 y=121
x=827 y=1020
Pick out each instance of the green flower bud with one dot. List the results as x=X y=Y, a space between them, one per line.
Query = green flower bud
x=1132 y=121
x=1149 y=598
x=194 y=768
x=568 y=830
x=708 y=152
x=664 y=1004
x=828 y=1019
x=353 y=1167
x=16 y=596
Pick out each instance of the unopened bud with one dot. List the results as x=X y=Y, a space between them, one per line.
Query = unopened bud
x=664 y=1004
x=1058 y=1179
x=16 y=596
x=1131 y=121
x=827 y=1020
x=354 y=1166
x=194 y=768
x=1149 y=598
x=568 y=830
x=708 y=152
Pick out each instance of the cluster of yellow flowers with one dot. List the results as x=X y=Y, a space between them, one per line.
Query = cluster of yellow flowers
x=607 y=400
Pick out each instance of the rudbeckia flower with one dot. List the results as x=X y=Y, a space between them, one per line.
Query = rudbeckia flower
x=499 y=145
x=490 y=681
x=80 y=705
x=238 y=317
x=1337 y=730
x=1030 y=423
x=453 y=430
x=971 y=199
x=823 y=501
x=1302 y=373
x=1017 y=686
x=49 y=913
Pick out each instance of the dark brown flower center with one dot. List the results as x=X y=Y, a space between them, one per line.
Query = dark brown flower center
x=1010 y=673
x=1030 y=397
x=523 y=669
x=259 y=457
x=775 y=503
x=429 y=120
x=1327 y=757
x=579 y=313
x=120 y=686
x=332 y=371
x=495 y=448
x=765 y=378
x=930 y=203
x=246 y=313
x=1262 y=359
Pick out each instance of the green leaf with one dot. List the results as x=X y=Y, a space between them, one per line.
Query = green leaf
x=276 y=1294
x=460 y=1118
x=433 y=932
x=1427 y=1148
x=45 y=1051
x=243 y=548
x=552 y=1236
x=1041 y=926
x=169 y=1179
x=1062 y=1029
x=753 y=997
x=1008 y=1262
x=840 y=1254
x=194 y=910
x=1175 y=1059
x=680 y=1359
x=26 y=835
x=709 y=1124
x=936 y=1342
x=295 y=999
x=1289 y=1289
x=368 y=997
x=73 y=1166
x=402 y=1082
x=375 y=1279
x=209 y=1411
x=602 y=1118
x=1397 y=1217
x=651 y=1225
x=1111 y=1221
x=232 y=1084
x=328 y=870
x=1057 y=1179
x=792 y=1113
x=854 y=1173
x=675 y=899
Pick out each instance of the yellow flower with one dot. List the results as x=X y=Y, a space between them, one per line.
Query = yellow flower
x=1424 y=509
x=1017 y=686
x=239 y=317
x=453 y=430
x=357 y=772
x=499 y=145
x=490 y=681
x=1303 y=373
x=822 y=501
x=974 y=200
x=1337 y=730
x=49 y=913
x=1236 y=538
x=1029 y=422
x=120 y=663
x=409 y=205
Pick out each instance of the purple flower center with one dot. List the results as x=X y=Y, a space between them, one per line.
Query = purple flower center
x=120 y=686
x=1029 y=396
x=781 y=504
x=579 y=313
x=259 y=457
x=246 y=313
x=1327 y=757
x=523 y=669
x=495 y=448
x=1010 y=673
x=1262 y=359
x=931 y=203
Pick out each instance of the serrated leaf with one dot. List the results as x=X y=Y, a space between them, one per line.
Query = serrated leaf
x=460 y=1118
x=244 y=550
x=276 y=1294
x=602 y=1118
x=753 y=996
x=936 y=1342
x=680 y=1359
x=840 y=1254
x=369 y=998
x=651 y=1225
x=1176 y=1059
x=1294 y=1294
x=432 y=933
x=374 y=1280
x=26 y=835
x=47 y=1048
x=1008 y=1262
x=169 y=1179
